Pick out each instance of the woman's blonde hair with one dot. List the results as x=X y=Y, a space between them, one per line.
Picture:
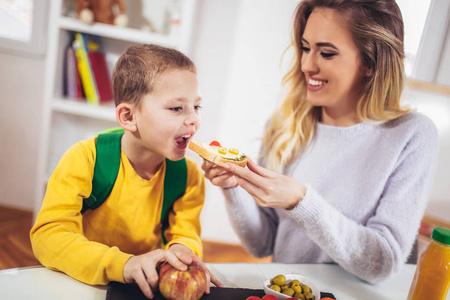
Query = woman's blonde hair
x=377 y=30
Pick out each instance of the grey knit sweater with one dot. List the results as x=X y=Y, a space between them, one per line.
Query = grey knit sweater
x=367 y=188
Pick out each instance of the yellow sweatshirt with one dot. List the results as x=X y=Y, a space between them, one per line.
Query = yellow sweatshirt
x=93 y=247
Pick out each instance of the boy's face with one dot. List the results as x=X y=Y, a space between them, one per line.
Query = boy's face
x=169 y=116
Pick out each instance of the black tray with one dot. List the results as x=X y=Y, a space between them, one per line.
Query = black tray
x=120 y=291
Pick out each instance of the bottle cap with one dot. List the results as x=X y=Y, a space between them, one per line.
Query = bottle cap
x=441 y=235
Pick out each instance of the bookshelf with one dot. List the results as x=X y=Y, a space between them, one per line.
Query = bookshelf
x=66 y=121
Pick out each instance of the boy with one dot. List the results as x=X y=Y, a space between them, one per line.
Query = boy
x=157 y=104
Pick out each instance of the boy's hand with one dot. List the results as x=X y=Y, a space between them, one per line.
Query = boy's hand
x=185 y=254
x=143 y=269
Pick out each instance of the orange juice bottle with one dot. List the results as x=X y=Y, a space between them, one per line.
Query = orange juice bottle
x=432 y=278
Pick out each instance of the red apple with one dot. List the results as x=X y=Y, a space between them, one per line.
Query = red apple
x=182 y=285
x=253 y=298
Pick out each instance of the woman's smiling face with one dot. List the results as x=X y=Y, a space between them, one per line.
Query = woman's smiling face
x=331 y=63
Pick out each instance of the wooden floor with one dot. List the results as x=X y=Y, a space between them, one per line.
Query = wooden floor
x=15 y=246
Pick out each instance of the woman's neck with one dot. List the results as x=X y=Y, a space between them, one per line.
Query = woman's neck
x=339 y=118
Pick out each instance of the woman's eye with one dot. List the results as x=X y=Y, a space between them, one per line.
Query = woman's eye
x=197 y=107
x=176 y=108
x=305 y=49
x=327 y=54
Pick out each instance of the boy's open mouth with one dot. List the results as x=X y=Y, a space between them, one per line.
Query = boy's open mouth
x=182 y=141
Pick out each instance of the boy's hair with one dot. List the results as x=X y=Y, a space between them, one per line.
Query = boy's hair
x=139 y=67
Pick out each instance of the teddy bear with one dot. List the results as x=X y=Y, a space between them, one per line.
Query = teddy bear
x=103 y=11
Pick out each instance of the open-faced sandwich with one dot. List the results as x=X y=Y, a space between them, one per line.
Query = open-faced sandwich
x=215 y=153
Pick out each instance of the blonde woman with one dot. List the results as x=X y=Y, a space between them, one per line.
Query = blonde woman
x=345 y=170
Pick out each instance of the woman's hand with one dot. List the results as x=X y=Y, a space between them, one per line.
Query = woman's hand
x=268 y=188
x=218 y=175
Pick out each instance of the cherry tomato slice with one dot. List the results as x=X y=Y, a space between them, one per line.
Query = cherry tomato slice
x=215 y=143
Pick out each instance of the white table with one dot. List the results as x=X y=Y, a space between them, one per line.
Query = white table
x=42 y=283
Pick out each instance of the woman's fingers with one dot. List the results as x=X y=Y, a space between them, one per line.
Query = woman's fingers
x=225 y=181
x=268 y=188
x=206 y=165
x=255 y=191
x=254 y=167
x=260 y=170
x=250 y=181
x=258 y=178
x=211 y=169
x=218 y=175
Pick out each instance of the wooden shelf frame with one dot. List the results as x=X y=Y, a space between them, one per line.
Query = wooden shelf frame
x=118 y=33
x=104 y=112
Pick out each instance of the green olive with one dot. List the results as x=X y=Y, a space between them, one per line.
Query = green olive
x=297 y=288
x=299 y=296
x=305 y=288
x=308 y=296
x=290 y=292
x=279 y=280
x=275 y=287
x=233 y=151
x=284 y=287
x=295 y=282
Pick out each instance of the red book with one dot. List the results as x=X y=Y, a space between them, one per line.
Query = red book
x=101 y=74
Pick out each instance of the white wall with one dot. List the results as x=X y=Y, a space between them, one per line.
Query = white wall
x=21 y=86
x=238 y=51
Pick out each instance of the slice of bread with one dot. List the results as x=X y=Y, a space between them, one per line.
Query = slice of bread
x=211 y=153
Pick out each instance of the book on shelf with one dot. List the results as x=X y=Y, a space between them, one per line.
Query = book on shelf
x=84 y=67
x=72 y=81
x=93 y=68
x=99 y=66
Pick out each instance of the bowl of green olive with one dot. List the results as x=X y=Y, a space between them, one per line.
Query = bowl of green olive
x=291 y=286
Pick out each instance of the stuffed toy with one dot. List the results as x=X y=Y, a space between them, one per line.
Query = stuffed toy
x=103 y=11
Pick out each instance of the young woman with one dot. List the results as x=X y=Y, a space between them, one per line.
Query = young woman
x=345 y=171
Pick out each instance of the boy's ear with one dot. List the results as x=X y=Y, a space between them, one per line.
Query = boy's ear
x=125 y=116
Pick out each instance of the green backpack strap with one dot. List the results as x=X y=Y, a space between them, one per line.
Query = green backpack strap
x=106 y=167
x=175 y=182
